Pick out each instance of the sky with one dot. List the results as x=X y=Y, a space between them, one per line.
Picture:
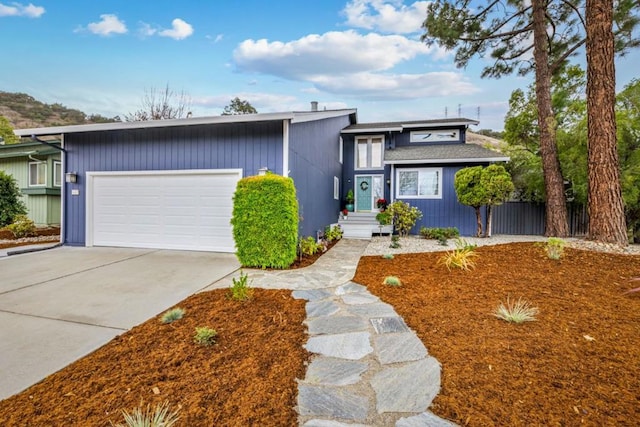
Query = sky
x=102 y=57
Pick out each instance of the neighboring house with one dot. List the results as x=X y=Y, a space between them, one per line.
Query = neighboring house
x=413 y=161
x=169 y=183
x=37 y=169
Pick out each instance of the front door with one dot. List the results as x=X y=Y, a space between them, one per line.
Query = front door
x=368 y=189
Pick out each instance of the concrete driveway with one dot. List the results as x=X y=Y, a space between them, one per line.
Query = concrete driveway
x=59 y=305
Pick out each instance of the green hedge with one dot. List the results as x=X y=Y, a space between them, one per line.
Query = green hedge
x=265 y=221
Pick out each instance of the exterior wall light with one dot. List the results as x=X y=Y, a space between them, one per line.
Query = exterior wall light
x=71 y=177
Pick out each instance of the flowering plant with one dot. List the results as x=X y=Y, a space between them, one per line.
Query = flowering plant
x=381 y=203
x=345 y=212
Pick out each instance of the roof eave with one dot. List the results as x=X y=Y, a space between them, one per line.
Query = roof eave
x=452 y=160
x=369 y=130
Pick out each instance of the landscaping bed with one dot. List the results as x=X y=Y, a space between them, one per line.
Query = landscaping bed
x=248 y=377
x=577 y=364
x=42 y=235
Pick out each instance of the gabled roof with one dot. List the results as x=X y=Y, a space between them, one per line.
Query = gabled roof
x=407 y=125
x=294 y=117
x=442 y=153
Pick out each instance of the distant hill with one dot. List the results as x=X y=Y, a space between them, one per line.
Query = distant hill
x=24 y=111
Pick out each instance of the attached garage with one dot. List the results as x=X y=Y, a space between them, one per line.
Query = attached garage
x=179 y=209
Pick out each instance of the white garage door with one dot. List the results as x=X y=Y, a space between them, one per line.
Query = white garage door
x=187 y=210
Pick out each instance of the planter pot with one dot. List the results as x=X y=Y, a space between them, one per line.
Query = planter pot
x=349 y=207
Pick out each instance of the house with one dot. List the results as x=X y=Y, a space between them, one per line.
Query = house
x=412 y=161
x=169 y=183
x=37 y=169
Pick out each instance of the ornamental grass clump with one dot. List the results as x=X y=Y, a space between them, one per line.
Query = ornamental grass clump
x=172 y=315
x=554 y=247
x=160 y=417
x=241 y=290
x=461 y=257
x=205 y=336
x=518 y=312
x=392 y=281
x=387 y=256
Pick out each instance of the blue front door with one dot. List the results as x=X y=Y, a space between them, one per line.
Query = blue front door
x=369 y=188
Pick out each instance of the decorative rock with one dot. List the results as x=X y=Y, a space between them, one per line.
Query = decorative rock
x=335 y=325
x=359 y=298
x=331 y=402
x=392 y=393
x=378 y=309
x=385 y=325
x=395 y=348
x=352 y=346
x=328 y=423
x=426 y=419
x=321 y=308
x=329 y=371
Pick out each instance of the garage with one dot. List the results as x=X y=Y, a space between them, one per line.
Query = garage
x=177 y=209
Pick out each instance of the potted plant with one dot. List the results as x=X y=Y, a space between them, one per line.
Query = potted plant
x=381 y=203
x=349 y=199
x=345 y=212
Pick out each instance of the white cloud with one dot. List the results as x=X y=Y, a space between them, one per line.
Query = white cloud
x=18 y=9
x=108 y=24
x=390 y=16
x=180 y=30
x=331 y=53
x=215 y=39
x=146 y=30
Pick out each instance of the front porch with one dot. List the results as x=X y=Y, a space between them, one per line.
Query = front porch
x=362 y=225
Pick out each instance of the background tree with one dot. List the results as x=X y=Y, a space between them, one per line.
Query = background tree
x=238 y=106
x=606 y=210
x=161 y=104
x=6 y=132
x=508 y=31
x=496 y=186
x=11 y=204
x=469 y=191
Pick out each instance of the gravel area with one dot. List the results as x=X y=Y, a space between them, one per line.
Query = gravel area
x=411 y=244
x=38 y=239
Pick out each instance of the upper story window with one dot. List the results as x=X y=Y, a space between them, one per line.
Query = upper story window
x=419 y=183
x=443 y=135
x=37 y=174
x=369 y=152
x=57 y=174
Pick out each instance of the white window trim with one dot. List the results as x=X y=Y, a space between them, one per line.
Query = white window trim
x=336 y=188
x=442 y=135
x=38 y=174
x=397 y=180
x=369 y=138
x=341 y=158
x=57 y=174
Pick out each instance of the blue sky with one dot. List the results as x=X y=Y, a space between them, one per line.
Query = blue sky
x=101 y=57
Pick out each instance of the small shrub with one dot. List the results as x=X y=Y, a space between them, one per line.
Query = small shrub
x=160 y=417
x=518 y=312
x=309 y=246
x=172 y=315
x=333 y=233
x=205 y=336
x=461 y=257
x=439 y=233
x=22 y=226
x=404 y=216
x=240 y=290
x=554 y=247
x=463 y=244
x=392 y=281
x=387 y=256
x=395 y=242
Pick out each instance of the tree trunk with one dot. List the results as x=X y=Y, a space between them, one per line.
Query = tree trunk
x=605 y=205
x=487 y=228
x=556 y=208
x=479 y=221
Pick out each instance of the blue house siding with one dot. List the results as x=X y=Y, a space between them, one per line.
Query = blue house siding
x=447 y=211
x=314 y=160
x=248 y=146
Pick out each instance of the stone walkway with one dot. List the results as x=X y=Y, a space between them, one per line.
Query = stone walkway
x=368 y=368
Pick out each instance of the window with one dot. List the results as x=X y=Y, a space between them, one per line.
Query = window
x=369 y=152
x=341 y=149
x=336 y=188
x=57 y=174
x=37 y=174
x=423 y=183
x=435 y=135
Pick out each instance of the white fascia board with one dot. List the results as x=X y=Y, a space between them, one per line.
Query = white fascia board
x=369 y=130
x=436 y=161
x=309 y=116
x=193 y=121
x=439 y=124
